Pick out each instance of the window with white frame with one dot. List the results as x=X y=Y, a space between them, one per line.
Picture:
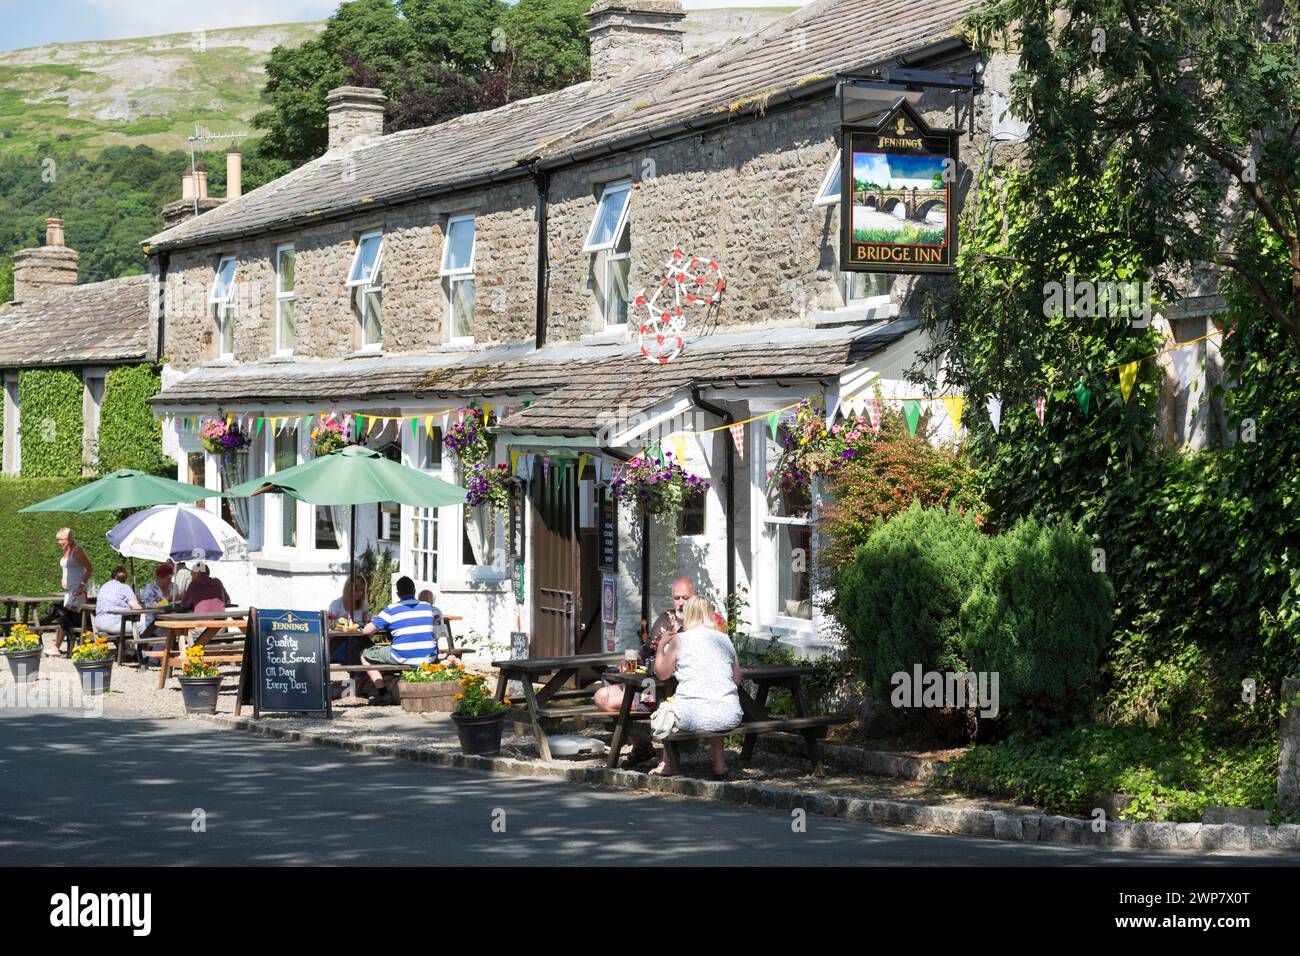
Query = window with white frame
x=787 y=530
x=388 y=518
x=285 y=455
x=458 y=277
x=365 y=279
x=828 y=194
x=222 y=299
x=284 y=298
x=424 y=521
x=609 y=242
x=298 y=526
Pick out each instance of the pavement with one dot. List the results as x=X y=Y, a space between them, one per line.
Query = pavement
x=129 y=790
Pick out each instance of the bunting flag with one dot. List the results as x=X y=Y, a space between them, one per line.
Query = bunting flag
x=773 y=423
x=415 y=428
x=738 y=438
x=487 y=410
x=229 y=418
x=460 y=415
x=912 y=414
x=356 y=427
x=374 y=422
x=428 y=426
x=679 y=447
x=1040 y=409
x=616 y=470
x=514 y=463
x=875 y=409
x=546 y=468
x=995 y=413
x=582 y=465
x=310 y=418
x=1127 y=378
x=1083 y=393
x=272 y=425
x=954 y=404
x=260 y=422
x=655 y=452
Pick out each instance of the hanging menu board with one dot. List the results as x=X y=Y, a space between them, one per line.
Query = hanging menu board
x=607 y=529
x=286 y=663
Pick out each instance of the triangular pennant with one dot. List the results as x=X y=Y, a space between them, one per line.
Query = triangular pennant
x=487 y=410
x=460 y=414
x=1040 y=408
x=374 y=422
x=260 y=422
x=230 y=417
x=546 y=468
x=954 y=404
x=514 y=463
x=428 y=425
x=273 y=421
x=912 y=414
x=307 y=427
x=875 y=408
x=1128 y=374
x=582 y=465
x=1083 y=393
x=738 y=439
x=356 y=427
x=415 y=427
x=995 y=413
x=773 y=423
x=679 y=448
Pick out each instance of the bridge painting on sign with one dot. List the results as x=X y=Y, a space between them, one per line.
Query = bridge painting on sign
x=898 y=176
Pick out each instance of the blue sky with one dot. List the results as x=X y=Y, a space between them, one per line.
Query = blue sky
x=37 y=22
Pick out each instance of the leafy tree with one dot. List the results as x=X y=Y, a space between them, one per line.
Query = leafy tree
x=434 y=59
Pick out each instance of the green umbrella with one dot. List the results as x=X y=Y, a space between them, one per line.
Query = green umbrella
x=354 y=476
x=122 y=489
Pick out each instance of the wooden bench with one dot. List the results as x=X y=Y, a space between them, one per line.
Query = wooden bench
x=812 y=729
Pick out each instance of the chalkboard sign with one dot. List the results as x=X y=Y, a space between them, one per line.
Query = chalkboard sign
x=286 y=666
x=607 y=529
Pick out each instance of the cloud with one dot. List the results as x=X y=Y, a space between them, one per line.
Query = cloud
x=132 y=18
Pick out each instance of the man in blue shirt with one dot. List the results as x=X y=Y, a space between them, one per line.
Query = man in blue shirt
x=413 y=626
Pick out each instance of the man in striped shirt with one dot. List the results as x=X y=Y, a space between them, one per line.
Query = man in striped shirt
x=414 y=627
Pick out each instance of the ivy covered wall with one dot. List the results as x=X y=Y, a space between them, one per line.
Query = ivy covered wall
x=129 y=435
x=51 y=422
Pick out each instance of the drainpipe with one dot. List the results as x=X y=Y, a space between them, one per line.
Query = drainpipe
x=542 y=178
x=730 y=481
x=164 y=260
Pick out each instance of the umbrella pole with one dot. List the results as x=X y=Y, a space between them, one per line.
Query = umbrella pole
x=352 y=551
x=132 y=562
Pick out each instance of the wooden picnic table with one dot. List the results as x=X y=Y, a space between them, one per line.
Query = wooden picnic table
x=16 y=606
x=540 y=702
x=764 y=677
x=174 y=624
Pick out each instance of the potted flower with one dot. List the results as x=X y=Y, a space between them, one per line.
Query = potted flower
x=22 y=649
x=489 y=486
x=94 y=663
x=431 y=687
x=479 y=717
x=200 y=682
x=219 y=438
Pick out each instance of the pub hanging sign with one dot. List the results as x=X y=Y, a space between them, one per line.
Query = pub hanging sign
x=896 y=181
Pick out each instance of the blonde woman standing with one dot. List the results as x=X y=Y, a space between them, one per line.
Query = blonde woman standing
x=704 y=662
x=75 y=570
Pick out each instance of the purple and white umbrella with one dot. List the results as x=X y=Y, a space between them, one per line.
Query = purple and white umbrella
x=179 y=532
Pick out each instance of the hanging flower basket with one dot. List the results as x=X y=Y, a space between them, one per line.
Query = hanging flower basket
x=809 y=447
x=485 y=485
x=657 y=486
x=219 y=438
x=469 y=438
x=330 y=435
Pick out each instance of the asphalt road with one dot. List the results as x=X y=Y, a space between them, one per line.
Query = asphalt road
x=122 y=790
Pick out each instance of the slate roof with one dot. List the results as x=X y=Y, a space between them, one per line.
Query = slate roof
x=579 y=385
x=78 y=325
x=793 y=52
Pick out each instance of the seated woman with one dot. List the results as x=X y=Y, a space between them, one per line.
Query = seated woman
x=113 y=598
x=353 y=606
x=704 y=662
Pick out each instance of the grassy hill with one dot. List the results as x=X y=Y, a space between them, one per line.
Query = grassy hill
x=151 y=91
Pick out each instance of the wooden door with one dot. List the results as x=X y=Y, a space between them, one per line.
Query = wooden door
x=555 y=561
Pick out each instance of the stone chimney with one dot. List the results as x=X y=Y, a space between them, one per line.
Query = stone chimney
x=356 y=115
x=49 y=266
x=628 y=33
x=234 y=175
x=194 y=193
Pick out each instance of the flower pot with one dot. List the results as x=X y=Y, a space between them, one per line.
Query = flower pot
x=25 y=665
x=200 y=694
x=95 y=675
x=424 y=697
x=480 y=735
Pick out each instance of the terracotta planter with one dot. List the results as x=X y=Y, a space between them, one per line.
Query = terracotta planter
x=25 y=665
x=95 y=675
x=423 y=697
x=200 y=694
x=480 y=735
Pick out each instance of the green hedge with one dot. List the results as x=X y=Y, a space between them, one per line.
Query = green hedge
x=129 y=435
x=29 y=561
x=51 y=425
